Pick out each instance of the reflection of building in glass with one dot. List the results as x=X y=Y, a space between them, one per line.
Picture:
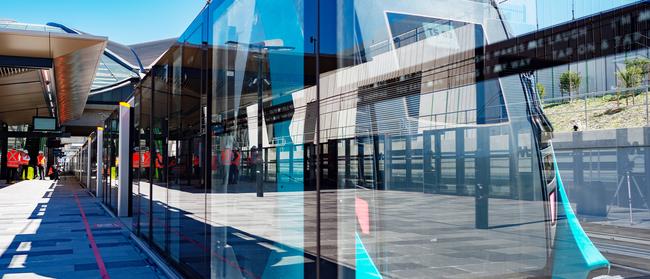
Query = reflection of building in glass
x=410 y=143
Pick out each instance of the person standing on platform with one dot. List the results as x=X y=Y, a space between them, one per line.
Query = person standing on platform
x=236 y=162
x=159 y=165
x=253 y=162
x=146 y=164
x=196 y=170
x=24 y=162
x=135 y=161
x=20 y=165
x=13 y=162
x=226 y=162
x=54 y=172
x=41 y=165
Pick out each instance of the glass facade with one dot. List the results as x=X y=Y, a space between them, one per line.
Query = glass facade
x=81 y=158
x=110 y=164
x=341 y=139
x=92 y=145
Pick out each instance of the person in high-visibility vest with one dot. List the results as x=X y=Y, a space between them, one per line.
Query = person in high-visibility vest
x=146 y=163
x=226 y=162
x=160 y=165
x=13 y=162
x=20 y=164
x=41 y=164
x=135 y=160
x=24 y=161
x=236 y=162
x=196 y=165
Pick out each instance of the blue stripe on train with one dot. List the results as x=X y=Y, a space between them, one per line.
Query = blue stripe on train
x=574 y=253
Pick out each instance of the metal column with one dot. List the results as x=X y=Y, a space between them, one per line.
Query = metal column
x=100 y=163
x=4 y=147
x=88 y=168
x=123 y=160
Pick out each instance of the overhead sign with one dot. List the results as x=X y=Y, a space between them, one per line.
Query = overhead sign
x=44 y=123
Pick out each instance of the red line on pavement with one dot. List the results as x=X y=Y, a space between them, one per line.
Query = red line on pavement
x=98 y=257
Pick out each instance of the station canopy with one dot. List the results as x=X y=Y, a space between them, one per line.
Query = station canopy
x=45 y=71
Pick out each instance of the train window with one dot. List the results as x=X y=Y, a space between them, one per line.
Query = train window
x=549 y=170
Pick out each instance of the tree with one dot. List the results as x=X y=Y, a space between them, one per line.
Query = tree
x=630 y=77
x=570 y=83
x=541 y=91
x=642 y=63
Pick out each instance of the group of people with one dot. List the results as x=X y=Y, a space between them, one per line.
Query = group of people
x=144 y=162
x=18 y=164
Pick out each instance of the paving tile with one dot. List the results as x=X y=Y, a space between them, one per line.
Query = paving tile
x=42 y=234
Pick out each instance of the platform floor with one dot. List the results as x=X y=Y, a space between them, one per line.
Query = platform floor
x=43 y=234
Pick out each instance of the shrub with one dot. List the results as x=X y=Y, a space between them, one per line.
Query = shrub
x=541 y=91
x=630 y=77
x=570 y=82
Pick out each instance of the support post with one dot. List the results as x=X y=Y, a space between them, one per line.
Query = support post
x=88 y=163
x=100 y=163
x=586 y=115
x=4 y=147
x=259 y=184
x=123 y=160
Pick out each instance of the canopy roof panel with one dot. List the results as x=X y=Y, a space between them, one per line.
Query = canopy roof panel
x=74 y=60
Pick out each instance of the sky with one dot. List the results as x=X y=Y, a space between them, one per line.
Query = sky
x=122 y=21
x=136 y=21
x=524 y=15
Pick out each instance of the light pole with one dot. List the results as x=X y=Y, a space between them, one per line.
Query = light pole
x=261 y=49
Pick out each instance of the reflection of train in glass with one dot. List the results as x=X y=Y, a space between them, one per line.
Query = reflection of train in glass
x=411 y=122
x=423 y=168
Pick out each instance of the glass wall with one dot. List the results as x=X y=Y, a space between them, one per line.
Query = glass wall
x=92 y=145
x=356 y=138
x=143 y=201
x=83 y=164
x=136 y=160
x=110 y=161
x=262 y=198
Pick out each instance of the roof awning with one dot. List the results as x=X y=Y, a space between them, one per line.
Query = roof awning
x=73 y=58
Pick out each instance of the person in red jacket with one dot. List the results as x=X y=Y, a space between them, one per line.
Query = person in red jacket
x=41 y=164
x=13 y=162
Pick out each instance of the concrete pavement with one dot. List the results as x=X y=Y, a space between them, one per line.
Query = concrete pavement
x=57 y=230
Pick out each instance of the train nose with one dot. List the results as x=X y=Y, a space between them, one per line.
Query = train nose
x=574 y=255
